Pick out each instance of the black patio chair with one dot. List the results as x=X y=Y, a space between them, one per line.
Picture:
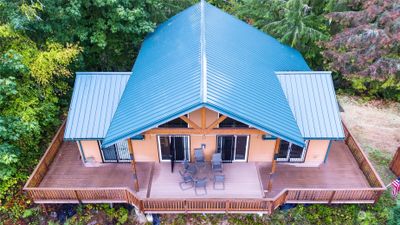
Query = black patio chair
x=219 y=179
x=216 y=162
x=187 y=178
x=199 y=157
x=200 y=183
x=188 y=168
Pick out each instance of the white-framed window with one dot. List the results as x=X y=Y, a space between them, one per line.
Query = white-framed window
x=289 y=152
x=118 y=152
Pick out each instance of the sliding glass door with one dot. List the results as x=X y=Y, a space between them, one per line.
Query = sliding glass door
x=173 y=147
x=233 y=147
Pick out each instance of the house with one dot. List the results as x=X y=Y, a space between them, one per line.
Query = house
x=205 y=81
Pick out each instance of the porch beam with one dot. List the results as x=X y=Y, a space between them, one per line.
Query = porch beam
x=273 y=166
x=133 y=165
x=190 y=122
x=215 y=123
x=201 y=131
x=203 y=118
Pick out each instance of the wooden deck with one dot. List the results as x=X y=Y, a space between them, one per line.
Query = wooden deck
x=242 y=179
x=68 y=171
x=341 y=171
x=347 y=177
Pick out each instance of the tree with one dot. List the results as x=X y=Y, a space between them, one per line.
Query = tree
x=110 y=32
x=297 y=23
x=32 y=79
x=366 y=42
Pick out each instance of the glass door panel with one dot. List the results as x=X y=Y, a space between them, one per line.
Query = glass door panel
x=173 y=147
x=282 y=155
x=241 y=148
x=232 y=147
x=226 y=146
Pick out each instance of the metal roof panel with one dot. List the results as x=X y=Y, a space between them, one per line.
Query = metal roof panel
x=94 y=101
x=312 y=98
x=205 y=57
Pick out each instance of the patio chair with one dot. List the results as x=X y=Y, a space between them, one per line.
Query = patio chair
x=200 y=183
x=219 y=179
x=188 y=168
x=187 y=178
x=216 y=162
x=199 y=157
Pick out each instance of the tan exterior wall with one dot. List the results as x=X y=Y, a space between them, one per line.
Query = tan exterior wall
x=91 y=151
x=316 y=152
x=260 y=150
x=209 y=140
x=211 y=116
x=146 y=150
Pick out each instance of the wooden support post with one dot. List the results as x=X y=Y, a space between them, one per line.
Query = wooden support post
x=273 y=166
x=133 y=164
x=203 y=118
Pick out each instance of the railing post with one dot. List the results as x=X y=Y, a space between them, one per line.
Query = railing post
x=332 y=196
x=377 y=196
x=77 y=197
x=227 y=206
x=185 y=206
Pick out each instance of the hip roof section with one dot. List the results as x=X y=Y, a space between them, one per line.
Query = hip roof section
x=311 y=96
x=94 y=100
x=203 y=57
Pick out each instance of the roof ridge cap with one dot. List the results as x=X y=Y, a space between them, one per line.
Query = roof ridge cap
x=203 y=57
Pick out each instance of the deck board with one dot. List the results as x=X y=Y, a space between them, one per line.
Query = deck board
x=340 y=171
x=242 y=179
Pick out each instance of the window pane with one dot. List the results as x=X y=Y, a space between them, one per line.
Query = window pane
x=176 y=123
x=109 y=154
x=283 y=149
x=179 y=145
x=241 y=144
x=228 y=122
x=122 y=150
x=225 y=147
x=165 y=148
x=296 y=153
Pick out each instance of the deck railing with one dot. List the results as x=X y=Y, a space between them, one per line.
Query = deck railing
x=48 y=157
x=362 y=160
x=262 y=205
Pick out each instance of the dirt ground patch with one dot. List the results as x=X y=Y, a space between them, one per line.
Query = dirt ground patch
x=375 y=124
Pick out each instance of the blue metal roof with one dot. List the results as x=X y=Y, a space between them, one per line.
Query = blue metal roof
x=203 y=57
x=312 y=98
x=94 y=101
